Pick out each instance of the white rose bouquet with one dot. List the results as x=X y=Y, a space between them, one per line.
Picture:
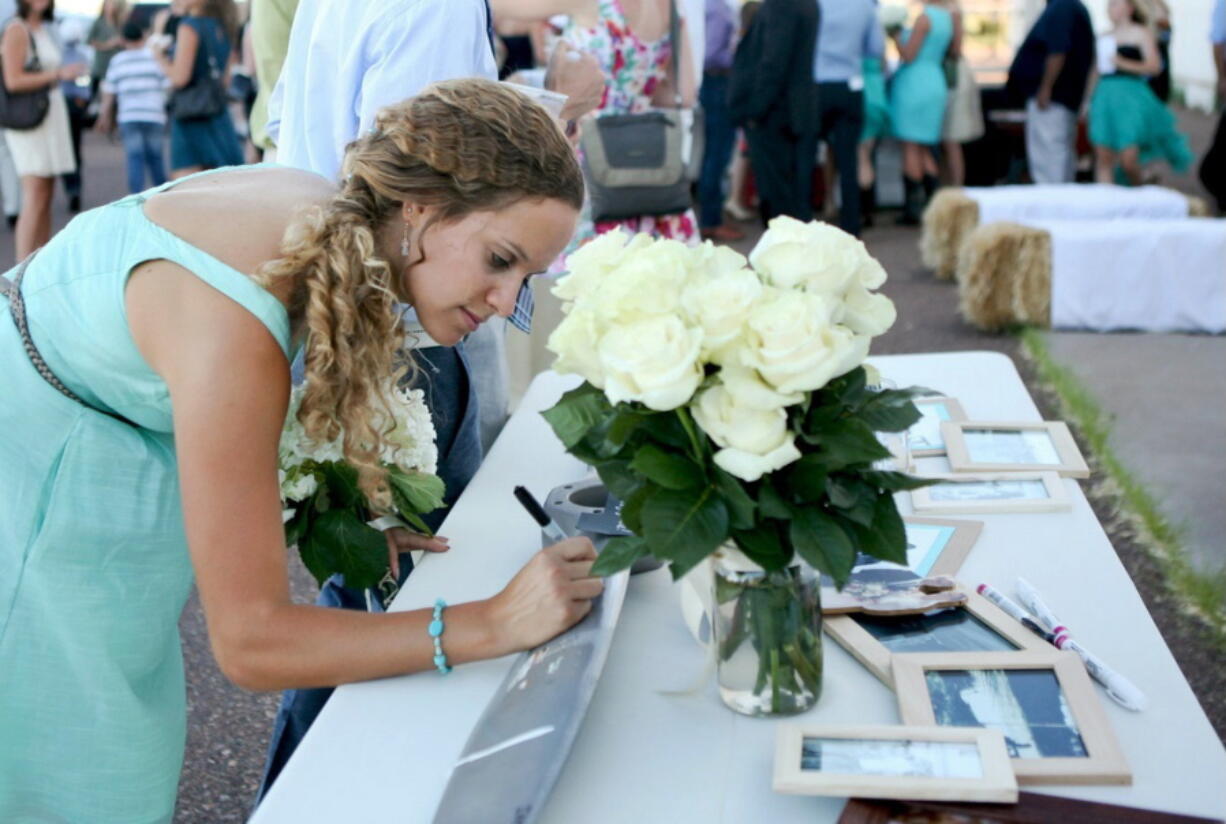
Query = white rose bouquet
x=726 y=404
x=725 y=398
x=325 y=512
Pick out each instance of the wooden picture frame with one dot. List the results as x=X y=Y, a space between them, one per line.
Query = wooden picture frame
x=1054 y=449
x=894 y=763
x=924 y=437
x=935 y=500
x=1031 y=808
x=956 y=546
x=855 y=634
x=1084 y=751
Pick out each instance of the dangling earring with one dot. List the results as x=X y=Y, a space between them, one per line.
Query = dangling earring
x=404 y=243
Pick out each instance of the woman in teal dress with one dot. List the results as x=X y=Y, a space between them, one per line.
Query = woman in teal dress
x=114 y=498
x=1129 y=125
x=917 y=101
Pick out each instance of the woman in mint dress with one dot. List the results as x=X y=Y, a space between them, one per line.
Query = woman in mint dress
x=876 y=126
x=1129 y=125
x=114 y=500
x=918 y=94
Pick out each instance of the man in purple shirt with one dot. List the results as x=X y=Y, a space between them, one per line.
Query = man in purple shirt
x=720 y=131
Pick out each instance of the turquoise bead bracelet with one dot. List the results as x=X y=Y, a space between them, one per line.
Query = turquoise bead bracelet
x=436 y=633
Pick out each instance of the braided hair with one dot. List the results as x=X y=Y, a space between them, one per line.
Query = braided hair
x=461 y=146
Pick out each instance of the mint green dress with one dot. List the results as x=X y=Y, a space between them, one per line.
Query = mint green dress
x=94 y=568
x=876 y=104
x=918 y=90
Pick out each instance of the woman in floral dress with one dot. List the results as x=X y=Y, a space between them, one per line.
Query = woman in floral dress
x=631 y=40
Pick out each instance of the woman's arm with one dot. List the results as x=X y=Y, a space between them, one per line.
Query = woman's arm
x=1151 y=60
x=14 y=50
x=229 y=385
x=955 y=42
x=663 y=95
x=907 y=51
x=180 y=69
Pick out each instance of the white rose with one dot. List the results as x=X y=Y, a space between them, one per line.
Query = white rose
x=653 y=361
x=816 y=257
x=575 y=342
x=647 y=282
x=720 y=304
x=867 y=313
x=754 y=441
x=302 y=488
x=588 y=264
x=748 y=389
x=791 y=341
x=709 y=259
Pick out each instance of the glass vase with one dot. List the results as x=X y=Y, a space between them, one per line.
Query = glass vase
x=768 y=628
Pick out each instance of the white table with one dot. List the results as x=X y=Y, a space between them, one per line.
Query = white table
x=383 y=749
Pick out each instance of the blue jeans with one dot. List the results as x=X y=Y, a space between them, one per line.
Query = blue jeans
x=142 y=143
x=445 y=378
x=720 y=141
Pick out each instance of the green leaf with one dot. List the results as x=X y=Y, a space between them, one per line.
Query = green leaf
x=298 y=525
x=632 y=507
x=890 y=530
x=889 y=412
x=740 y=506
x=764 y=546
x=896 y=481
x=618 y=478
x=823 y=543
x=853 y=498
x=342 y=482
x=772 y=503
x=666 y=428
x=852 y=442
x=578 y=411
x=667 y=469
x=626 y=422
x=341 y=543
x=850 y=387
x=421 y=491
x=619 y=554
x=807 y=478
x=684 y=526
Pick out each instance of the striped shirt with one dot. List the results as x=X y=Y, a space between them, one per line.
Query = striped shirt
x=139 y=85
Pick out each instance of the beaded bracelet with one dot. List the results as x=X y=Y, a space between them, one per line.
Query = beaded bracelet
x=436 y=632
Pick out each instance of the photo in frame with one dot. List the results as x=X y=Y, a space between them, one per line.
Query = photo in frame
x=979 y=626
x=992 y=492
x=1013 y=446
x=1031 y=808
x=940 y=763
x=924 y=438
x=1042 y=701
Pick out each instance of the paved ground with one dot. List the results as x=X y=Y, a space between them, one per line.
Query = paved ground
x=228 y=728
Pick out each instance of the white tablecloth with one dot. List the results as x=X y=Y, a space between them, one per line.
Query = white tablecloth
x=1152 y=275
x=1075 y=201
x=383 y=750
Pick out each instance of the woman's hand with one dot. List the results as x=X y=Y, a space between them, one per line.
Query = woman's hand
x=402 y=540
x=548 y=596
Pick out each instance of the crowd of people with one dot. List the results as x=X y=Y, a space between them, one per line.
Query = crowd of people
x=411 y=192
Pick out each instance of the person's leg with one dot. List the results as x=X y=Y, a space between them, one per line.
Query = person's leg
x=1050 y=134
x=72 y=180
x=766 y=158
x=134 y=155
x=867 y=175
x=913 y=183
x=1068 y=142
x=804 y=163
x=34 y=222
x=846 y=139
x=1130 y=162
x=720 y=137
x=955 y=164
x=153 y=139
x=1104 y=165
x=10 y=184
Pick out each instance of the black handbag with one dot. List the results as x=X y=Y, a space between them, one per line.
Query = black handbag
x=22 y=111
x=643 y=164
x=205 y=96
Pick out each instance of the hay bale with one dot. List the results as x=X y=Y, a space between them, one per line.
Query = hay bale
x=1198 y=207
x=1004 y=276
x=948 y=221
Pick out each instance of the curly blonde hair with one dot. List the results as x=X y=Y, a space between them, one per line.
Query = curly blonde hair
x=461 y=146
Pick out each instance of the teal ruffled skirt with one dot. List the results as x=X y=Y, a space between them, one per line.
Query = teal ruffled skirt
x=1125 y=113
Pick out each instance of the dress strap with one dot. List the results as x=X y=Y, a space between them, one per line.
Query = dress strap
x=17 y=308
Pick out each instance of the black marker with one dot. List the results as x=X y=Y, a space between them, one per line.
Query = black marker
x=551 y=529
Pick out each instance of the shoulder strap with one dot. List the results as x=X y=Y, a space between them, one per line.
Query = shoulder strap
x=674 y=36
